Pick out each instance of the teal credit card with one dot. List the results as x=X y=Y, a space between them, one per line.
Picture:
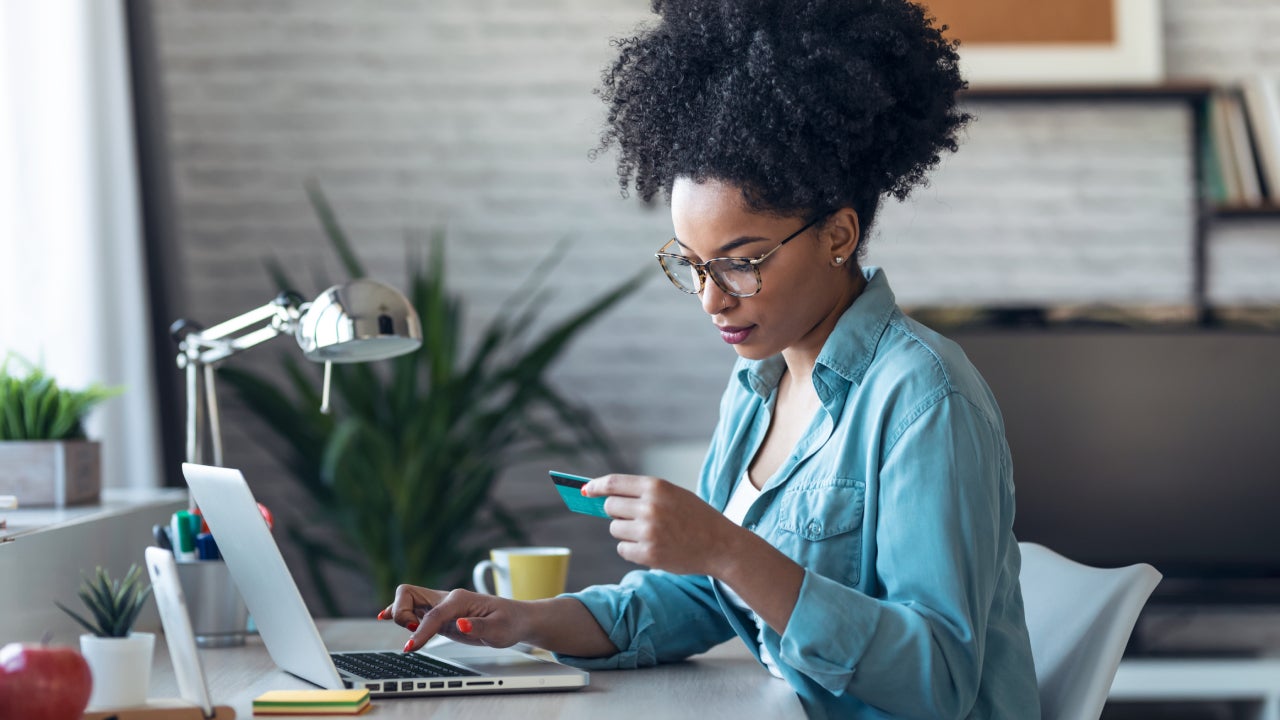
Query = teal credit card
x=570 y=488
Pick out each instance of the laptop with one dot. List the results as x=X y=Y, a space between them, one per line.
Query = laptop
x=290 y=634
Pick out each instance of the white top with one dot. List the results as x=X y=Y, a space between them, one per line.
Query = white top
x=744 y=494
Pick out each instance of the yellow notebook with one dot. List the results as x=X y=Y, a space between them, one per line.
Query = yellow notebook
x=312 y=702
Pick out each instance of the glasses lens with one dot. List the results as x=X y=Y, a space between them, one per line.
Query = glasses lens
x=736 y=276
x=682 y=273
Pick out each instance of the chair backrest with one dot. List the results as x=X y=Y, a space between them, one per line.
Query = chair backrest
x=1079 y=619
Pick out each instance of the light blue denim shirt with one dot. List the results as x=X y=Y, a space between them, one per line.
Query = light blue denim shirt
x=898 y=502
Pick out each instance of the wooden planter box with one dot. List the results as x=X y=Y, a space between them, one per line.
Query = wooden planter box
x=53 y=473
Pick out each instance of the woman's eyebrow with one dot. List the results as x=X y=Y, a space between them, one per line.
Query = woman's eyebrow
x=731 y=245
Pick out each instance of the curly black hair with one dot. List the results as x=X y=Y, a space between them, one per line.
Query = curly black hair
x=806 y=105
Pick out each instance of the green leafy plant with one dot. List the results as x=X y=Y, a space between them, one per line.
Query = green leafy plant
x=404 y=466
x=34 y=407
x=114 y=604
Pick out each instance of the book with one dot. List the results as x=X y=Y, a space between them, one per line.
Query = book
x=1242 y=150
x=1262 y=105
x=1222 y=177
x=312 y=702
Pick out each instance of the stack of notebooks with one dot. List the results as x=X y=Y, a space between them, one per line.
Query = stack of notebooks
x=312 y=702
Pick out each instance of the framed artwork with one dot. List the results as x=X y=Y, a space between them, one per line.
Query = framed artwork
x=1040 y=43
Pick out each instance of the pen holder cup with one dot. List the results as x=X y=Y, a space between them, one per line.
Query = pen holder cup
x=219 y=617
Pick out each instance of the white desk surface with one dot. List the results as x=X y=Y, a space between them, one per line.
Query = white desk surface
x=724 y=683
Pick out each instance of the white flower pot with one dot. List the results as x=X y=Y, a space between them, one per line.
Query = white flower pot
x=121 y=669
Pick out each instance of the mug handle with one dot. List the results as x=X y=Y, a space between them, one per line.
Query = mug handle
x=478 y=576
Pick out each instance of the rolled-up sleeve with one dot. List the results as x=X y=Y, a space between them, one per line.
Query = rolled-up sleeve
x=653 y=617
x=916 y=649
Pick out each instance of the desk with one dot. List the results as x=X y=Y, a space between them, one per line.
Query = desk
x=724 y=683
x=1255 y=681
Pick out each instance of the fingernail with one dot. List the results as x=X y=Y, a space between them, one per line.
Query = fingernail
x=464 y=625
x=583 y=490
x=412 y=626
x=382 y=615
x=408 y=647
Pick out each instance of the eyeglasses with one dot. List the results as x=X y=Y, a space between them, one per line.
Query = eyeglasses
x=739 y=277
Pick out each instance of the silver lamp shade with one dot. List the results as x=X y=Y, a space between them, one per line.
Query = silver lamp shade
x=358 y=321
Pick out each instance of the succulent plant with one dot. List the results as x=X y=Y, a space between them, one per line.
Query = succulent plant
x=115 y=604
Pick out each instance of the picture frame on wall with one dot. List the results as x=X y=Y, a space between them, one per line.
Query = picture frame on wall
x=1047 y=43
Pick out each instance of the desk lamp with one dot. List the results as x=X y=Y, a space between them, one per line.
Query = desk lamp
x=357 y=321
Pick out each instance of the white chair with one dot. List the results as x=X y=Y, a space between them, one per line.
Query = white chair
x=1079 y=619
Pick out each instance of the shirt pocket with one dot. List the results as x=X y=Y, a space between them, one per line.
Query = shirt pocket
x=819 y=526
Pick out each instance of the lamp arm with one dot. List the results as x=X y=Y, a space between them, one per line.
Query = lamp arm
x=220 y=342
x=240 y=322
x=200 y=350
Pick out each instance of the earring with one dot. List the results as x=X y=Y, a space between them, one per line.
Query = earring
x=839 y=260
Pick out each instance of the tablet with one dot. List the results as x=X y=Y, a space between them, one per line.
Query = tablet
x=177 y=628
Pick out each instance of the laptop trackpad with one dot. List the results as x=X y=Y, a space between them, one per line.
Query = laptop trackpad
x=495 y=661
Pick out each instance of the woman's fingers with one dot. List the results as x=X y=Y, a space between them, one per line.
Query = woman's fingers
x=624 y=508
x=411 y=603
x=617 y=485
x=441 y=618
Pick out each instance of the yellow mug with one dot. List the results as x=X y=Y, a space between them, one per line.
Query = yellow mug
x=524 y=573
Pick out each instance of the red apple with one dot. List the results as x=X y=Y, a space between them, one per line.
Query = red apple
x=43 y=682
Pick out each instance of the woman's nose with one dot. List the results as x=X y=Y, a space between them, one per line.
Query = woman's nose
x=714 y=300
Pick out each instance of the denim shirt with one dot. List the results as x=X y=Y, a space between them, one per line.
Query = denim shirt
x=897 y=502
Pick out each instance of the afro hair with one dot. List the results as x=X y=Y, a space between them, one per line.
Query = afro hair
x=806 y=105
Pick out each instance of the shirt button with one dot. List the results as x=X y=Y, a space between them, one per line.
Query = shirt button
x=751 y=527
x=814 y=527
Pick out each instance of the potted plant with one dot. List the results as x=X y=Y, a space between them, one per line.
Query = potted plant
x=404 y=465
x=119 y=658
x=45 y=458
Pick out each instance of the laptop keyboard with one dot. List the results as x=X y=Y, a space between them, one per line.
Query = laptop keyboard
x=391 y=665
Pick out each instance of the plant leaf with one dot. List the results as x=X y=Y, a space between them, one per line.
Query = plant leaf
x=76 y=616
x=337 y=236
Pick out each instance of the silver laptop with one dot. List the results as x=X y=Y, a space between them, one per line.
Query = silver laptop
x=291 y=636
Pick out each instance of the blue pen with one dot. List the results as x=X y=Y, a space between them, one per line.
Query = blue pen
x=206 y=548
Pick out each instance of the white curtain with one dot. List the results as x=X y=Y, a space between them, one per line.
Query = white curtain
x=73 y=292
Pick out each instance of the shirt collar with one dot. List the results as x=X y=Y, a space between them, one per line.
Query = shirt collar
x=848 y=351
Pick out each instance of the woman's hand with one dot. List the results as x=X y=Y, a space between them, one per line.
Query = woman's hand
x=560 y=624
x=460 y=615
x=664 y=526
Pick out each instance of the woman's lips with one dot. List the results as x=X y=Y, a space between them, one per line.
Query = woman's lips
x=735 y=335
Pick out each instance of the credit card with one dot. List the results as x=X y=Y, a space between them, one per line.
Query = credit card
x=570 y=488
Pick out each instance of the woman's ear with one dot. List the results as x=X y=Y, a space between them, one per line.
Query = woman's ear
x=842 y=231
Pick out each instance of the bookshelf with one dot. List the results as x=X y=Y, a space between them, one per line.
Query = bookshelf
x=1196 y=96
x=1227 y=212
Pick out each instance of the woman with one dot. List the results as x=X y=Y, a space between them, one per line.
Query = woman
x=853 y=521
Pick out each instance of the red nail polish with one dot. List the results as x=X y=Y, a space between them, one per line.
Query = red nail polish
x=408 y=647
x=382 y=615
x=583 y=490
x=412 y=626
x=464 y=625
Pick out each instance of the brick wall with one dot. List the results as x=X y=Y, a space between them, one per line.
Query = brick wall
x=477 y=116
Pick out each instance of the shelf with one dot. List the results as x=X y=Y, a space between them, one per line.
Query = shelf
x=1181 y=91
x=45 y=550
x=1195 y=95
x=1269 y=210
x=1201 y=680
